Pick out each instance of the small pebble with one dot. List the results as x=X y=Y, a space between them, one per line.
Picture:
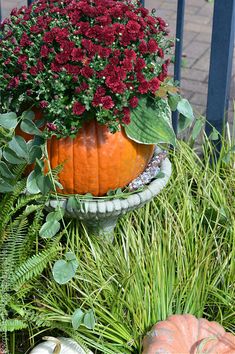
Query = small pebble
x=152 y=169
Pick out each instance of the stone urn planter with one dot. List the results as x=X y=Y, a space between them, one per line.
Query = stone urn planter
x=100 y=215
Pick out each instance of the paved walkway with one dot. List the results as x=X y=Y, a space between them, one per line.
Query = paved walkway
x=197 y=38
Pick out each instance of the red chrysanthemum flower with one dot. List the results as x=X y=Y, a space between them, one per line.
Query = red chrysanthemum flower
x=78 y=108
x=134 y=101
x=152 y=45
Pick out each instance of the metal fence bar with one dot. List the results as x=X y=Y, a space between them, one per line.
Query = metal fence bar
x=178 y=51
x=220 y=63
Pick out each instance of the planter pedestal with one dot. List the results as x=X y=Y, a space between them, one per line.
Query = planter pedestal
x=100 y=216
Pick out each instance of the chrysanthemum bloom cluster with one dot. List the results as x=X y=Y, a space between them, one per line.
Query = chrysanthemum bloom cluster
x=81 y=58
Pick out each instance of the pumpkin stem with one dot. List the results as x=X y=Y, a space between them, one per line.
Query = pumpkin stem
x=57 y=348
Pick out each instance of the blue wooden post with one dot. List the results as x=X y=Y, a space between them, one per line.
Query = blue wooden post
x=178 y=51
x=30 y=2
x=220 y=63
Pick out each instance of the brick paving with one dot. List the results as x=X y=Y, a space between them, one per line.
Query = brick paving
x=196 y=52
x=197 y=39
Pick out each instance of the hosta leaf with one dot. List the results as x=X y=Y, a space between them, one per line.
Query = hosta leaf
x=151 y=124
x=8 y=120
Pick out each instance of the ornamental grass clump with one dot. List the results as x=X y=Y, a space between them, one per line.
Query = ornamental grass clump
x=77 y=59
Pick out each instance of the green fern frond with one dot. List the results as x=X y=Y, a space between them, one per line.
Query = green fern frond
x=11 y=325
x=34 y=266
x=7 y=205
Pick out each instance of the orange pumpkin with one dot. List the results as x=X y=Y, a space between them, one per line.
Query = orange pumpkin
x=189 y=335
x=97 y=160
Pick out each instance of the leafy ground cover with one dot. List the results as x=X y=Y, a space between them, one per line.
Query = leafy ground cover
x=175 y=255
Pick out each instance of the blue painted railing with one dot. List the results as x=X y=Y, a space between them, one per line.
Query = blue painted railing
x=220 y=62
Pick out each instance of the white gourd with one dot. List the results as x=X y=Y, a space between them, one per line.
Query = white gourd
x=59 y=345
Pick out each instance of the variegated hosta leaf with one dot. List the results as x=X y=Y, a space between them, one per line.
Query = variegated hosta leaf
x=151 y=123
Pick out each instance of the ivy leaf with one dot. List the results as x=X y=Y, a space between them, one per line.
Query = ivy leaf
x=64 y=270
x=89 y=320
x=186 y=114
x=5 y=172
x=156 y=126
x=8 y=120
x=19 y=146
x=29 y=127
x=10 y=156
x=49 y=229
x=77 y=318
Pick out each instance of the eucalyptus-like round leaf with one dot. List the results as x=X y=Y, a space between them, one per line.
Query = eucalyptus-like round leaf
x=5 y=172
x=8 y=120
x=19 y=146
x=31 y=183
x=151 y=123
x=77 y=318
x=186 y=116
x=55 y=215
x=35 y=152
x=199 y=124
x=49 y=229
x=29 y=127
x=5 y=186
x=10 y=156
x=29 y=115
x=89 y=320
x=64 y=270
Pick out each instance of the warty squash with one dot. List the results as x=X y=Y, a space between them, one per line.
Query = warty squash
x=185 y=334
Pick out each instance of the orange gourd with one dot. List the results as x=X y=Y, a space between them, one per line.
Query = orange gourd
x=97 y=160
x=185 y=334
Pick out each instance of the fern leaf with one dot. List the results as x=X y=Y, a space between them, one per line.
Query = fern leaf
x=34 y=266
x=11 y=325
